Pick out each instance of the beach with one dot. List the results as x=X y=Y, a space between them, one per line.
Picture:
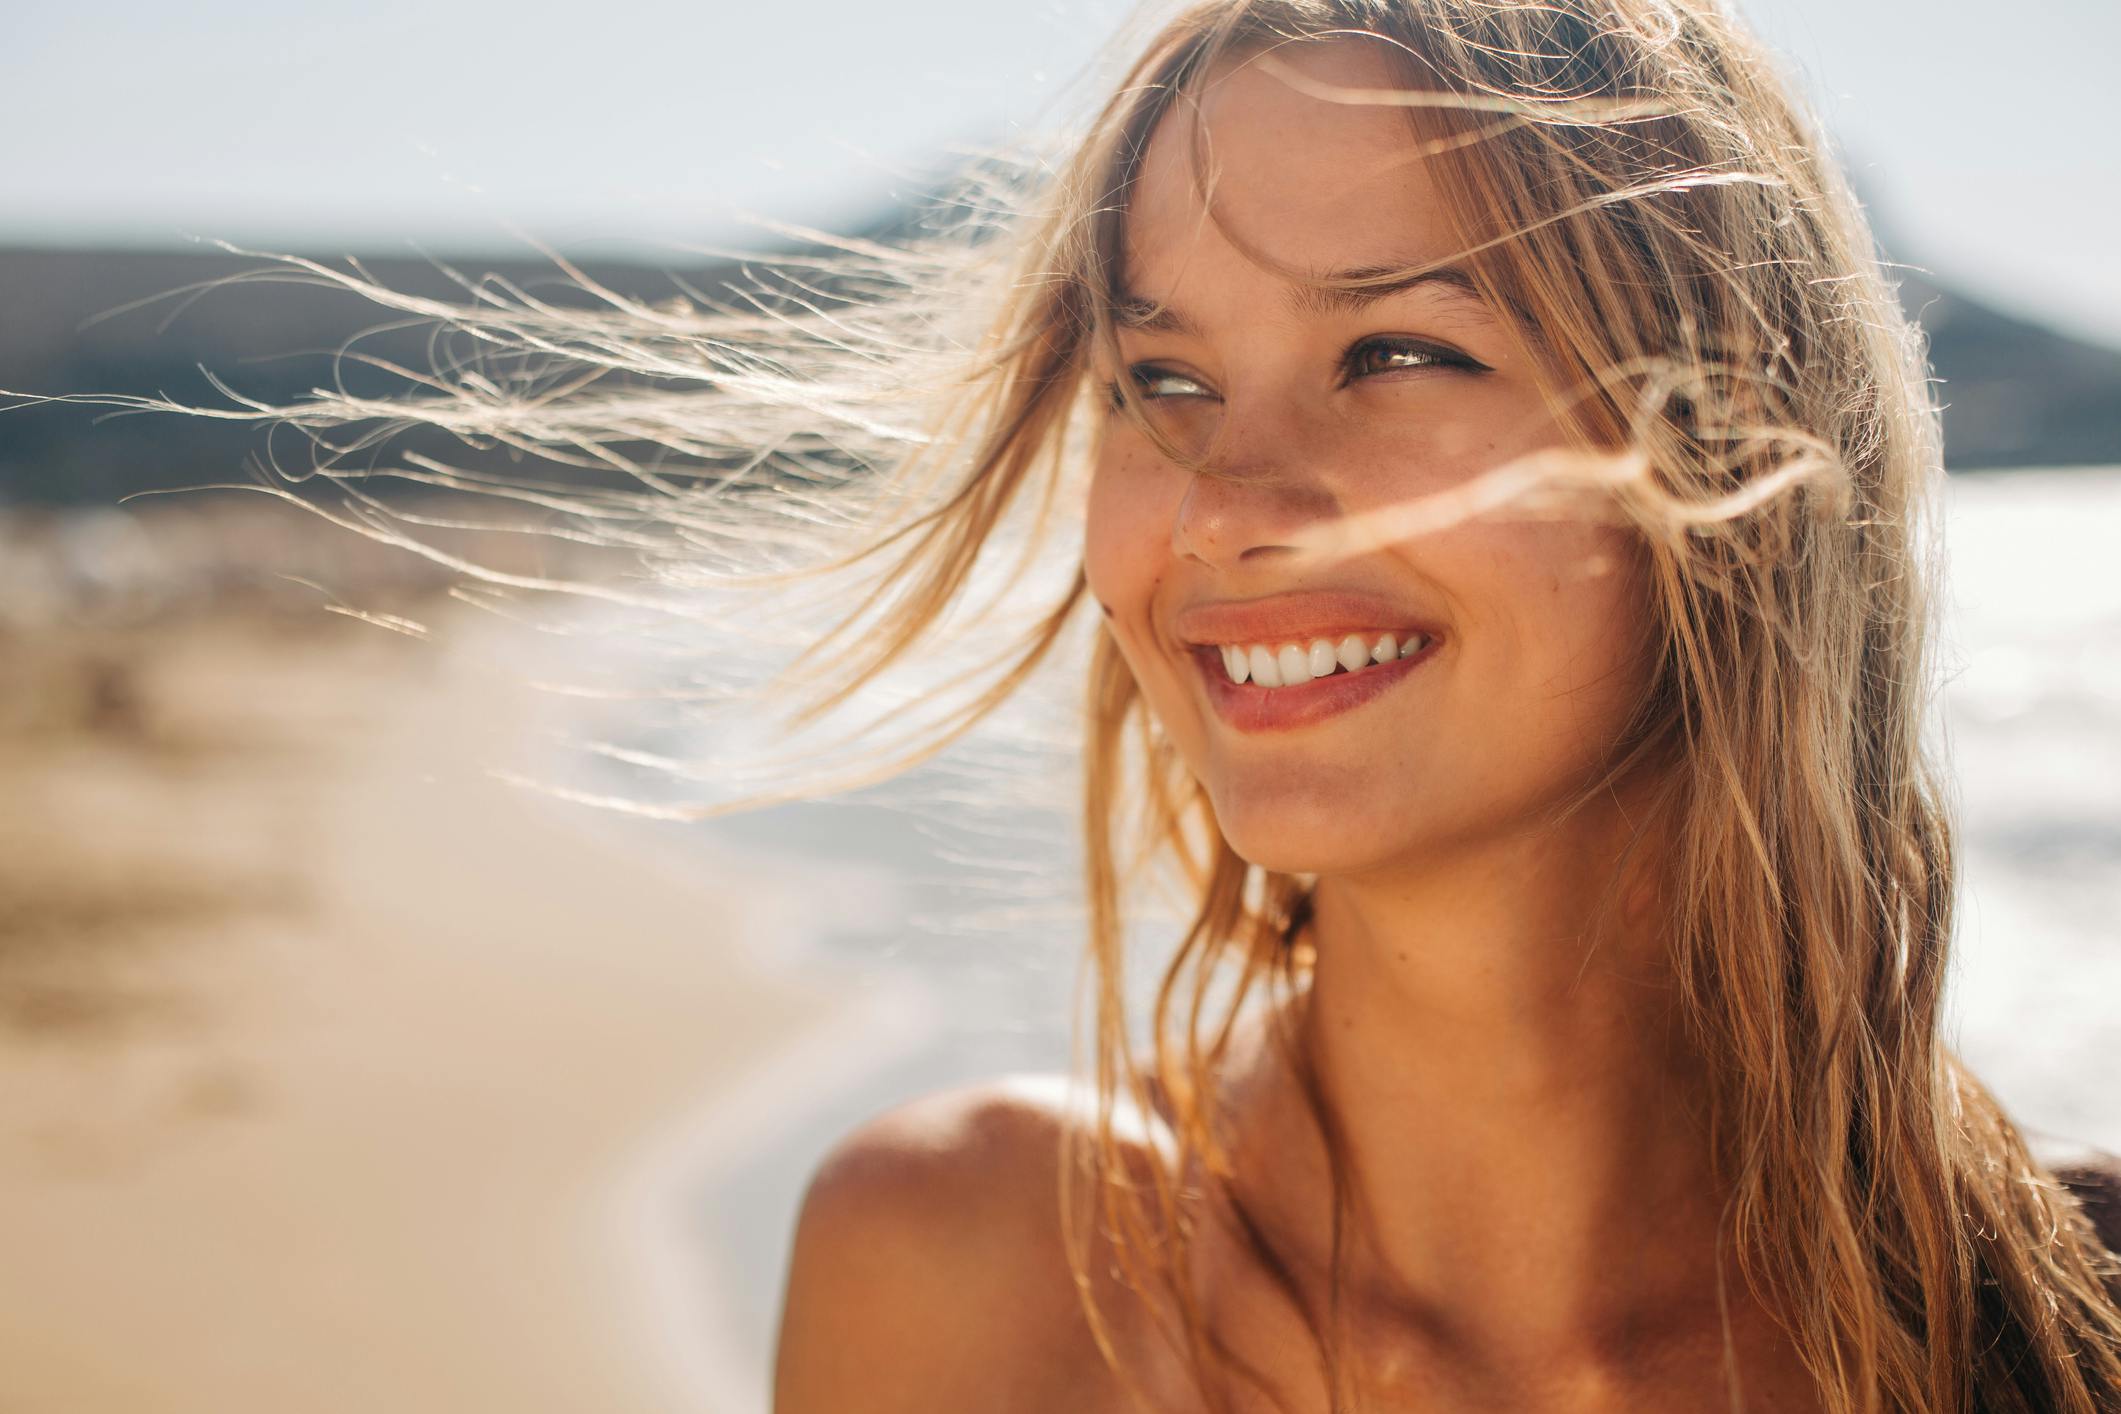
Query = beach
x=339 y=1075
x=341 y=1071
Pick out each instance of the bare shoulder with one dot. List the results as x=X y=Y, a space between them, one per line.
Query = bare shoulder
x=929 y=1270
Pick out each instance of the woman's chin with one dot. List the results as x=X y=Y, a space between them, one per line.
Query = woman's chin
x=1288 y=845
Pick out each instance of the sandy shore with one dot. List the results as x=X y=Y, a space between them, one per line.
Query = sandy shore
x=335 y=1076
x=328 y=1065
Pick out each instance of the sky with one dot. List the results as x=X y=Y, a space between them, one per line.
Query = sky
x=1981 y=132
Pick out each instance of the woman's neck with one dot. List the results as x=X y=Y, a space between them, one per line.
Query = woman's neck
x=1518 y=1115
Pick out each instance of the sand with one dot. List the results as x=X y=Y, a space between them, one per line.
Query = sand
x=334 y=1074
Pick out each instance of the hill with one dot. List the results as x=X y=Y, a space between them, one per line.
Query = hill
x=2016 y=394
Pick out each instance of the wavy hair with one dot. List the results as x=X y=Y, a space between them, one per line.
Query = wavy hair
x=1633 y=182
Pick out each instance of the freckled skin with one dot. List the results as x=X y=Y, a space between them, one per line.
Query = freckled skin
x=1540 y=618
x=1542 y=1214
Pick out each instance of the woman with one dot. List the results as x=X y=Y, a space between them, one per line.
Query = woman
x=1504 y=476
x=1503 y=509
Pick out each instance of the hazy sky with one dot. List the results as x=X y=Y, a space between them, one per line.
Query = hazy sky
x=1982 y=132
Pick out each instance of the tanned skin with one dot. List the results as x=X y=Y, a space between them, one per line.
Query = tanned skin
x=1521 y=1111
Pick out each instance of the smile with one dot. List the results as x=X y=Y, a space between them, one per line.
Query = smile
x=1294 y=664
x=1261 y=687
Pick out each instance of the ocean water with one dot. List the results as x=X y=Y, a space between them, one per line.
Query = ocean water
x=955 y=914
x=2032 y=721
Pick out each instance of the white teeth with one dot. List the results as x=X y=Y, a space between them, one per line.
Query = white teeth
x=1292 y=664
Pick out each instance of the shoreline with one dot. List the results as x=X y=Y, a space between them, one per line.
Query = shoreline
x=349 y=1056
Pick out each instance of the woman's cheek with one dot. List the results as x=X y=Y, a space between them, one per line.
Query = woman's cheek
x=1127 y=534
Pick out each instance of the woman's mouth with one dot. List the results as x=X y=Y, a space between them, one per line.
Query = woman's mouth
x=1279 y=686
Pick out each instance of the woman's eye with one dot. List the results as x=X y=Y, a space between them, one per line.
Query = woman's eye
x=1151 y=383
x=1388 y=355
x=1366 y=358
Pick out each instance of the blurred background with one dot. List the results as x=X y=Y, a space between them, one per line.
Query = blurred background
x=339 y=1074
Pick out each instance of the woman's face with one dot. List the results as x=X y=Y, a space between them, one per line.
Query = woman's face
x=1316 y=414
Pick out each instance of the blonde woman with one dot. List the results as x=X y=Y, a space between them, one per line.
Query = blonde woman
x=1491 y=484
x=1504 y=509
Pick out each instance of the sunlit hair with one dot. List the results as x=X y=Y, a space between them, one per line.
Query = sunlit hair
x=1629 y=180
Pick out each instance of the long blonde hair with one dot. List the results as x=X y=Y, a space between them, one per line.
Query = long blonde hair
x=1630 y=179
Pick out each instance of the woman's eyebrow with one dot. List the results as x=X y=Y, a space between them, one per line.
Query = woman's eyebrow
x=1313 y=300
x=1328 y=298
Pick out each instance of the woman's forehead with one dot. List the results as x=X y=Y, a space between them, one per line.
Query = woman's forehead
x=1309 y=182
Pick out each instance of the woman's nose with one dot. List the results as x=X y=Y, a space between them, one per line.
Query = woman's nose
x=1253 y=500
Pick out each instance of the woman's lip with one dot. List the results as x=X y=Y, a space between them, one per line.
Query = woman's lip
x=1294 y=617
x=1248 y=707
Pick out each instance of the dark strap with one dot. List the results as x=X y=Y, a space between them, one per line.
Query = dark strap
x=2093 y=1178
x=2097 y=1187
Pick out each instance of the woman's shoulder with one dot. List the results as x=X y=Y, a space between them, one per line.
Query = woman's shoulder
x=929 y=1268
x=980 y=1162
